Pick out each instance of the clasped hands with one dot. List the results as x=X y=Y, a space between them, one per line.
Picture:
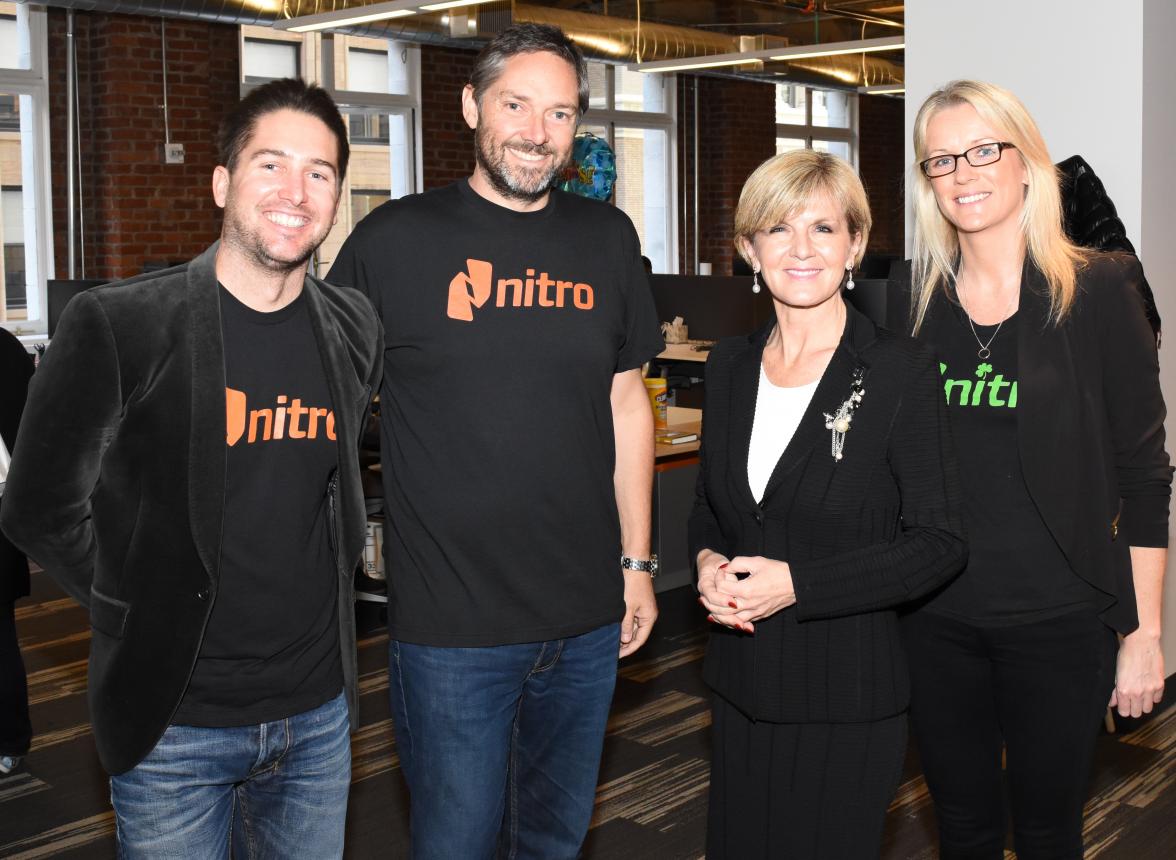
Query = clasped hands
x=739 y=602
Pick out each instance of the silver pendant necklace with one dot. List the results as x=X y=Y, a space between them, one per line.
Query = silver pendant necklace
x=984 y=352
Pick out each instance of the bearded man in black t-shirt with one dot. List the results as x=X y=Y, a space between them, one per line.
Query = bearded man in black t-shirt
x=517 y=451
x=188 y=469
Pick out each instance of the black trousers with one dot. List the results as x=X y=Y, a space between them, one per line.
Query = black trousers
x=1040 y=690
x=800 y=791
x=16 y=732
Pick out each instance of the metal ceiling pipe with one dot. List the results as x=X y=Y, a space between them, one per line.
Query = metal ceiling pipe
x=70 y=84
x=601 y=37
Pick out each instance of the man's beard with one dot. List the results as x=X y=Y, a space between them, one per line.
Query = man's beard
x=526 y=184
x=247 y=240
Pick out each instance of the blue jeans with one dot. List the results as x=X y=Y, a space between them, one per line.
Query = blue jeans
x=501 y=745
x=276 y=790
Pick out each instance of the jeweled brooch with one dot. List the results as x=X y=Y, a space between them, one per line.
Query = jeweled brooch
x=841 y=420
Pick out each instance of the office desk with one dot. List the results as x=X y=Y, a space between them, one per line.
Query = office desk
x=681 y=420
x=675 y=473
x=685 y=352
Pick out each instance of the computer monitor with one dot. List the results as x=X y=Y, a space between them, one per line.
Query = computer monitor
x=61 y=291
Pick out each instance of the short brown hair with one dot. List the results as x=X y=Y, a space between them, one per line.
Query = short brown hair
x=294 y=94
x=528 y=38
x=786 y=182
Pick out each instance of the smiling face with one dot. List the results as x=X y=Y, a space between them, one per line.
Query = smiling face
x=280 y=199
x=525 y=124
x=803 y=259
x=975 y=199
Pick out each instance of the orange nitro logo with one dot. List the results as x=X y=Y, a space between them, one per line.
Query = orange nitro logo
x=474 y=287
x=286 y=419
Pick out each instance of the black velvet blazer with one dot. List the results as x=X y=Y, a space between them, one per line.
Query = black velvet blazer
x=1090 y=421
x=862 y=536
x=118 y=480
x=16 y=367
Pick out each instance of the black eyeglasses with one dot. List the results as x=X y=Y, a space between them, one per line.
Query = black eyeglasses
x=977 y=156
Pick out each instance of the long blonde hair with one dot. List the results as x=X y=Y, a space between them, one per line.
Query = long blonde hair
x=936 y=243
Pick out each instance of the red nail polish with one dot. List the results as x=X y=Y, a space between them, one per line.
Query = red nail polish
x=731 y=603
x=724 y=564
x=711 y=619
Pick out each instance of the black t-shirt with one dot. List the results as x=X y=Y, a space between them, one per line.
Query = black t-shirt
x=503 y=332
x=271 y=647
x=1016 y=572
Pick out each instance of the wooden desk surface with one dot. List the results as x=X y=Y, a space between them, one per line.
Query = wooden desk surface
x=685 y=352
x=683 y=420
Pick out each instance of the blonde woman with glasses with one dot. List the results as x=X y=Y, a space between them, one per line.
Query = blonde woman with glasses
x=1051 y=377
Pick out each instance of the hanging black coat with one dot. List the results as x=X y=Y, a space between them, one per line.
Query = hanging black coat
x=1090 y=220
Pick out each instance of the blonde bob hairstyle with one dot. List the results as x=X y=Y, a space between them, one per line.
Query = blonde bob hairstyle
x=936 y=246
x=786 y=183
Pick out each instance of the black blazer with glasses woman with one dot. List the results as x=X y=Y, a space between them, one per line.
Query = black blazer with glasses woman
x=1090 y=429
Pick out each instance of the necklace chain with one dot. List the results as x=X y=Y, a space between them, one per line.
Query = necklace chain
x=984 y=352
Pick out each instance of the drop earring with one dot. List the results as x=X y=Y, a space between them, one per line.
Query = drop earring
x=849 y=280
x=755 y=284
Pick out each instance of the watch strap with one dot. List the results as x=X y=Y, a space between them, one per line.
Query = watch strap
x=648 y=565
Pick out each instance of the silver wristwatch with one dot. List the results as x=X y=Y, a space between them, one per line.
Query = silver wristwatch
x=648 y=565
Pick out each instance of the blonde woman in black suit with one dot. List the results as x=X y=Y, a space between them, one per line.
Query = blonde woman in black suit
x=826 y=499
x=1050 y=371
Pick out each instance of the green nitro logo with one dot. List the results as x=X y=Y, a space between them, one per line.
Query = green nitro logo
x=986 y=389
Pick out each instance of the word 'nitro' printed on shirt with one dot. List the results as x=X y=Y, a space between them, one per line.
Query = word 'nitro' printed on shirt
x=472 y=289
x=982 y=388
x=286 y=419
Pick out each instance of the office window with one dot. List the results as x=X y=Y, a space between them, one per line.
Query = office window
x=375 y=82
x=809 y=118
x=791 y=104
x=12 y=231
x=633 y=112
x=25 y=223
x=367 y=70
x=784 y=144
x=9 y=112
x=832 y=109
x=639 y=91
x=381 y=66
x=14 y=47
x=266 y=60
x=839 y=148
x=367 y=128
x=642 y=188
x=598 y=84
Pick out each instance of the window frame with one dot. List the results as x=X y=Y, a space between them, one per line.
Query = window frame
x=34 y=82
x=610 y=117
x=296 y=43
x=831 y=134
x=318 y=57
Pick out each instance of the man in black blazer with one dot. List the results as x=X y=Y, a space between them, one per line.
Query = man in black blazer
x=16 y=366
x=188 y=470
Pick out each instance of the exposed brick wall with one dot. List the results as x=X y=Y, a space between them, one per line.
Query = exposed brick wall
x=880 y=161
x=448 y=151
x=737 y=131
x=137 y=209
